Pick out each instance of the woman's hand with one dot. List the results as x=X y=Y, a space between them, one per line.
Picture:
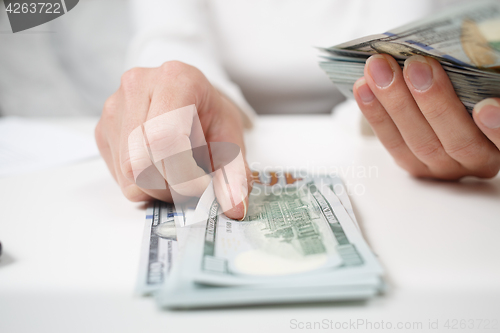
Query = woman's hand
x=144 y=106
x=422 y=123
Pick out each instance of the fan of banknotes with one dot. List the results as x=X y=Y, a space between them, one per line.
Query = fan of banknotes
x=299 y=242
x=465 y=40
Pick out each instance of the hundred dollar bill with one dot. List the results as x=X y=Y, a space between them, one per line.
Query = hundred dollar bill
x=299 y=233
x=164 y=228
x=159 y=244
x=466 y=40
x=296 y=245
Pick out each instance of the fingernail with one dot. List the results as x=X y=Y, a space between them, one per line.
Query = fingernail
x=380 y=70
x=419 y=72
x=488 y=113
x=364 y=91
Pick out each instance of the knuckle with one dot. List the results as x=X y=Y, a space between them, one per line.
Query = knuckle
x=131 y=79
x=174 y=66
x=428 y=149
x=470 y=150
x=439 y=110
x=396 y=145
x=165 y=142
x=375 y=118
x=109 y=113
x=186 y=75
x=110 y=105
x=397 y=108
x=108 y=116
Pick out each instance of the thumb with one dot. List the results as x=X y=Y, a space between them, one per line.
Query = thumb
x=232 y=176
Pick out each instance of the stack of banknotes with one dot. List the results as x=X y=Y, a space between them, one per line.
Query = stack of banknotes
x=299 y=242
x=465 y=40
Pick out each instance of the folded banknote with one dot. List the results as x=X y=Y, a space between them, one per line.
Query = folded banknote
x=299 y=242
x=465 y=40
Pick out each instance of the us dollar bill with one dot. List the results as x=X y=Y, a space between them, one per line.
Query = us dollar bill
x=297 y=233
x=163 y=233
x=465 y=39
x=159 y=245
x=296 y=245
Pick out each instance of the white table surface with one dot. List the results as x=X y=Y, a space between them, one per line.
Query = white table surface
x=71 y=243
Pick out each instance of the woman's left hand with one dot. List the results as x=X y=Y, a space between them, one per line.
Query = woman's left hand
x=422 y=123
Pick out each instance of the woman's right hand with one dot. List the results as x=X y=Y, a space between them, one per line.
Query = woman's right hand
x=149 y=93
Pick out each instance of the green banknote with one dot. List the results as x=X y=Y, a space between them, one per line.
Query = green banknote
x=298 y=243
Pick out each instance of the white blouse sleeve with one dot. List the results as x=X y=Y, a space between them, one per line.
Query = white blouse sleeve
x=180 y=30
